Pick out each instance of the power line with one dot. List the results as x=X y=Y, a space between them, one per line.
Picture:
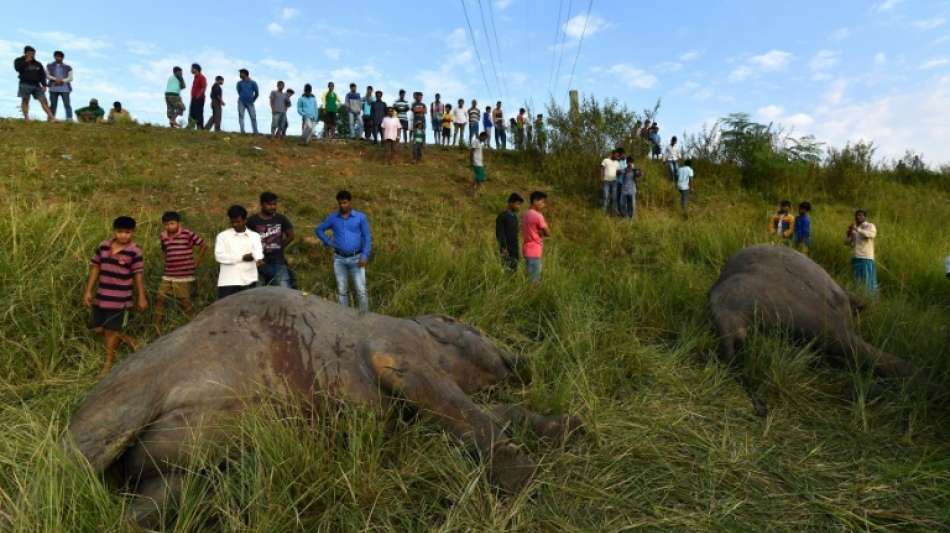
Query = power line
x=557 y=74
x=478 y=56
x=491 y=55
x=557 y=33
x=494 y=29
x=580 y=42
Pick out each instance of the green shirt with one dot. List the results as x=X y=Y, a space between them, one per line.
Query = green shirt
x=90 y=114
x=173 y=86
x=419 y=136
x=330 y=106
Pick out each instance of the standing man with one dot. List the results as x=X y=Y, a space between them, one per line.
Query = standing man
x=609 y=169
x=331 y=105
x=860 y=238
x=402 y=113
x=487 y=125
x=520 y=121
x=390 y=127
x=474 y=117
x=217 y=102
x=247 y=95
x=671 y=155
x=352 y=245
x=684 y=183
x=278 y=110
x=196 y=112
x=32 y=82
x=506 y=232
x=540 y=135
x=174 y=107
x=366 y=104
x=307 y=109
x=436 y=110
x=354 y=107
x=59 y=76
x=239 y=252
x=534 y=229
x=276 y=233
x=498 y=117
x=418 y=114
x=379 y=114
x=478 y=160
x=459 y=118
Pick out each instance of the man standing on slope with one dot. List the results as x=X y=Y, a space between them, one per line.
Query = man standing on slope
x=247 y=95
x=196 y=112
x=354 y=107
x=276 y=233
x=860 y=238
x=534 y=229
x=401 y=105
x=506 y=232
x=59 y=76
x=352 y=244
x=379 y=114
x=32 y=82
x=278 y=110
x=436 y=110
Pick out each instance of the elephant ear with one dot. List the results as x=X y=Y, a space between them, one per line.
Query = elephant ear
x=446 y=329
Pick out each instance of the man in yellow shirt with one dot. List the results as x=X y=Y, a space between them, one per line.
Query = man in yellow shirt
x=860 y=238
x=117 y=114
x=782 y=223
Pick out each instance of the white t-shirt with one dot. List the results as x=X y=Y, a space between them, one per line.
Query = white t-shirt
x=610 y=167
x=683 y=178
x=391 y=129
x=460 y=116
x=477 y=159
x=672 y=153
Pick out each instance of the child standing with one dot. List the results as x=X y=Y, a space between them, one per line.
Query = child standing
x=803 y=227
x=178 y=247
x=506 y=232
x=116 y=268
x=447 y=125
x=478 y=162
x=629 y=189
x=782 y=223
x=418 y=141
x=534 y=229
x=684 y=183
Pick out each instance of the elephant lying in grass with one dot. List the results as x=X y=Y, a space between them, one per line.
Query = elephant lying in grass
x=786 y=291
x=140 y=423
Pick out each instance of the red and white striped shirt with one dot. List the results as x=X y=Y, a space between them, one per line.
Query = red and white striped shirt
x=116 y=273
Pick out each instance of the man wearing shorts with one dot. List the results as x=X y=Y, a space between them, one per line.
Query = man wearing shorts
x=178 y=247
x=32 y=82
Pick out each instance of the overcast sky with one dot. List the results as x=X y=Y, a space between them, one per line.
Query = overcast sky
x=841 y=70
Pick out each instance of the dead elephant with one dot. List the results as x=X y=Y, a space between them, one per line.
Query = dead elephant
x=786 y=291
x=142 y=420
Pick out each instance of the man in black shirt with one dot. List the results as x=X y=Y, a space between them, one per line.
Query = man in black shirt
x=276 y=233
x=32 y=82
x=217 y=102
x=506 y=232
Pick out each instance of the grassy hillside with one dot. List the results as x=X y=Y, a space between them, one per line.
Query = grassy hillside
x=617 y=334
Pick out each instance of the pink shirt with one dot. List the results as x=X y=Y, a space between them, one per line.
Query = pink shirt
x=390 y=129
x=531 y=225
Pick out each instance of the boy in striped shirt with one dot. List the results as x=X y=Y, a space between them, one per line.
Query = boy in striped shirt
x=178 y=246
x=115 y=269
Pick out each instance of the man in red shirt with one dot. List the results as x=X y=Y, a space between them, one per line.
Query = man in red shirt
x=196 y=113
x=534 y=229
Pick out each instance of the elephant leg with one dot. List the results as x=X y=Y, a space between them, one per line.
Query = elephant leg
x=154 y=495
x=554 y=427
x=438 y=397
x=733 y=331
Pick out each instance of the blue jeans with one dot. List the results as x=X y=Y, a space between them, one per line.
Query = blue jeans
x=500 y=138
x=355 y=123
x=610 y=196
x=673 y=169
x=533 y=268
x=250 y=111
x=344 y=267
x=472 y=131
x=629 y=207
x=275 y=275
x=54 y=101
x=865 y=273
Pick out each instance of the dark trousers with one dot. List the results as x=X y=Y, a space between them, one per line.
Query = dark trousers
x=417 y=151
x=196 y=113
x=367 y=128
x=510 y=261
x=214 y=123
x=228 y=290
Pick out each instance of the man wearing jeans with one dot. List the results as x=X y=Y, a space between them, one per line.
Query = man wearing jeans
x=276 y=233
x=247 y=95
x=354 y=108
x=352 y=245
x=59 y=77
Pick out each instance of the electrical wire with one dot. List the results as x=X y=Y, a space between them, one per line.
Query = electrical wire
x=478 y=55
x=580 y=42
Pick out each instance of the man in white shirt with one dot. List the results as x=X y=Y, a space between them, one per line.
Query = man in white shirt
x=609 y=167
x=459 y=119
x=684 y=183
x=239 y=252
x=860 y=238
x=671 y=156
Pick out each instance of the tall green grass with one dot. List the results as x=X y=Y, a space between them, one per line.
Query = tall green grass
x=617 y=333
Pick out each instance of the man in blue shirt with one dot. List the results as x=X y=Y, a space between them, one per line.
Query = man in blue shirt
x=352 y=244
x=247 y=94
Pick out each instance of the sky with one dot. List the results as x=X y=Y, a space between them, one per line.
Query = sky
x=842 y=70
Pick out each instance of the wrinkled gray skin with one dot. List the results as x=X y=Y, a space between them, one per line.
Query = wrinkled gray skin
x=782 y=289
x=141 y=422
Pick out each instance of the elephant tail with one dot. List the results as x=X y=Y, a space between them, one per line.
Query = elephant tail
x=114 y=414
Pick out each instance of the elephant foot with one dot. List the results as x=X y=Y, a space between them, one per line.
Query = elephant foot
x=509 y=469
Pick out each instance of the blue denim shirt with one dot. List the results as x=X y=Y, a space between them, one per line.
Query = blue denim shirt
x=350 y=234
x=247 y=91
